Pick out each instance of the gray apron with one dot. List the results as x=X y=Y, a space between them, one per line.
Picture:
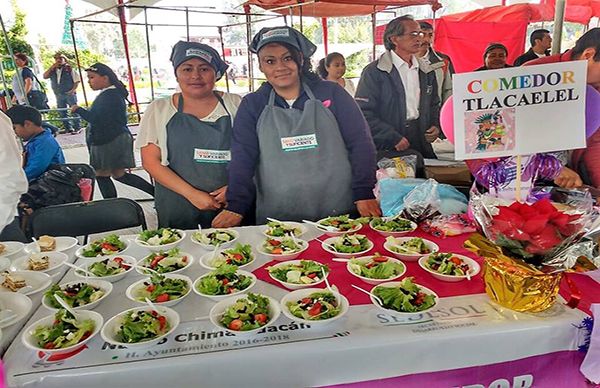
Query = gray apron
x=199 y=152
x=303 y=169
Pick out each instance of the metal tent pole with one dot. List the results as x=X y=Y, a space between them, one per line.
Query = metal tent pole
x=559 y=18
x=187 y=23
x=123 y=24
x=12 y=58
x=148 y=51
x=248 y=41
x=374 y=31
x=72 y=24
x=223 y=54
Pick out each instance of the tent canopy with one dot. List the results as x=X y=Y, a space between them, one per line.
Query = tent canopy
x=104 y=4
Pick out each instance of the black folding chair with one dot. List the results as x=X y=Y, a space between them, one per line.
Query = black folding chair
x=85 y=218
x=87 y=171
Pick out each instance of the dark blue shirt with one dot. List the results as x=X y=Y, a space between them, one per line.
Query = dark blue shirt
x=41 y=151
x=107 y=117
x=245 y=149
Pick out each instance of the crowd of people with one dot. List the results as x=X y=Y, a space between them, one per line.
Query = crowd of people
x=302 y=146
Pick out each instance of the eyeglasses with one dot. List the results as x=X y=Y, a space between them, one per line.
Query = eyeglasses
x=415 y=34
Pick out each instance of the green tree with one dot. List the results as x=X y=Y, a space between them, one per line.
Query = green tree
x=86 y=57
x=16 y=34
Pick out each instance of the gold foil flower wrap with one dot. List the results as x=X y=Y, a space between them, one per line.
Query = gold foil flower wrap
x=512 y=283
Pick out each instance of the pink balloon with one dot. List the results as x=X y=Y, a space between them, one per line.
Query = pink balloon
x=447 y=119
x=592 y=111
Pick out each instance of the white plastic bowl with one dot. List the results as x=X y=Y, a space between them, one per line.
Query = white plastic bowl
x=63 y=243
x=38 y=281
x=206 y=259
x=394 y=234
x=11 y=248
x=19 y=304
x=102 y=284
x=79 y=251
x=162 y=247
x=289 y=223
x=216 y=312
x=55 y=261
x=366 y=259
x=474 y=269
x=327 y=245
x=217 y=298
x=30 y=341
x=190 y=261
x=283 y=256
x=336 y=233
x=305 y=292
x=129 y=260
x=135 y=287
x=297 y=286
x=433 y=247
x=210 y=247
x=396 y=284
x=111 y=328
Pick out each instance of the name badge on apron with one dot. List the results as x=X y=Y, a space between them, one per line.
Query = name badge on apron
x=212 y=156
x=296 y=143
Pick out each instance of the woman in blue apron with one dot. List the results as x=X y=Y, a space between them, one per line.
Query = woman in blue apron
x=300 y=144
x=185 y=140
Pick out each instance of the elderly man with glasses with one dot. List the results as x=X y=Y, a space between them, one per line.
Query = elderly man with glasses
x=398 y=95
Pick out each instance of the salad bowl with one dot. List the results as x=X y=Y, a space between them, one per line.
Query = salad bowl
x=107 y=246
x=214 y=287
x=161 y=239
x=88 y=324
x=55 y=261
x=340 y=223
x=283 y=228
x=345 y=246
x=393 y=227
x=282 y=249
x=298 y=273
x=448 y=266
x=112 y=269
x=88 y=298
x=407 y=287
x=405 y=248
x=225 y=309
x=311 y=303
x=376 y=269
x=147 y=327
x=240 y=256
x=139 y=290
x=172 y=261
x=209 y=238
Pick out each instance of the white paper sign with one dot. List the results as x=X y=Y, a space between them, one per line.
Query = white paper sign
x=519 y=110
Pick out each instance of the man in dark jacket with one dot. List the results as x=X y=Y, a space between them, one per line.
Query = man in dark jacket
x=440 y=62
x=398 y=94
x=65 y=81
x=541 y=42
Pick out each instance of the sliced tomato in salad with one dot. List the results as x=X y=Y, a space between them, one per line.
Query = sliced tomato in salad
x=156 y=260
x=236 y=324
x=162 y=322
x=108 y=247
x=380 y=259
x=315 y=309
x=260 y=318
x=277 y=251
x=274 y=243
x=162 y=298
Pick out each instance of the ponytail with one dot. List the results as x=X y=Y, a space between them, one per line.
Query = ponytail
x=322 y=69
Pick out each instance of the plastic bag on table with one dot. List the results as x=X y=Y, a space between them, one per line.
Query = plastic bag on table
x=449 y=225
x=397 y=168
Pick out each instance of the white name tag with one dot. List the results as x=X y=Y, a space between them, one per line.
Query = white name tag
x=301 y=142
x=212 y=156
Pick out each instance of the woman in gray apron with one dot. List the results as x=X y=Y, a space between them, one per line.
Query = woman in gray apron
x=185 y=140
x=300 y=144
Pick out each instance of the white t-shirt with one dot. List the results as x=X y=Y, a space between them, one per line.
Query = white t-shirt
x=410 y=79
x=12 y=176
x=349 y=86
x=153 y=127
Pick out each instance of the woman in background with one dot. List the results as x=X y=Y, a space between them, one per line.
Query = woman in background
x=333 y=68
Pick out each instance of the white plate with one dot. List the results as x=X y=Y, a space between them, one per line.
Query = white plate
x=296 y=286
x=217 y=298
x=216 y=312
x=129 y=260
x=433 y=247
x=63 y=243
x=206 y=259
x=132 y=289
x=190 y=260
x=474 y=269
x=290 y=223
x=340 y=233
x=305 y=292
x=38 y=281
x=11 y=247
x=327 y=245
x=394 y=234
x=79 y=252
x=366 y=259
x=102 y=284
x=4 y=263
x=163 y=247
x=56 y=259
x=210 y=247
x=283 y=256
x=30 y=341
x=111 y=328
x=396 y=284
x=18 y=303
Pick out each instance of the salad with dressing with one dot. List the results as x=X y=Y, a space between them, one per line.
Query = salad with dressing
x=222 y=281
x=350 y=243
x=160 y=289
x=306 y=272
x=414 y=246
x=342 y=223
x=281 y=229
x=246 y=313
x=159 y=236
x=376 y=267
x=238 y=255
x=317 y=306
x=407 y=297
x=109 y=245
x=139 y=326
x=164 y=262
x=447 y=264
x=108 y=267
x=75 y=295
x=281 y=246
x=214 y=238
x=65 y=332
x=394 y=225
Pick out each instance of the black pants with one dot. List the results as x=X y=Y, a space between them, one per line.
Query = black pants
x=13 y=232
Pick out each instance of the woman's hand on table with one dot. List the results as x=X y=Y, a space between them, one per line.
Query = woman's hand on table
x=203 y=201
x=73 y=108
x=568 y=179
x=219 y=195
x=368 y=208
x=226 y=219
